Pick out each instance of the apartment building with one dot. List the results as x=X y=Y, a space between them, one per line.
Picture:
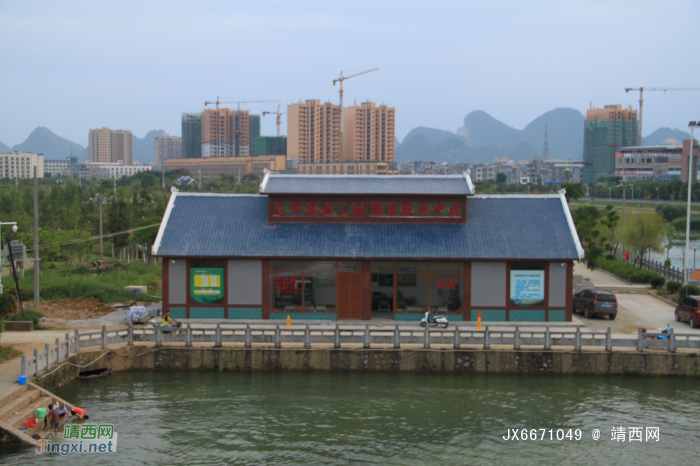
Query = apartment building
x=313 y=132
x=347 y=168
x=191 y=145
x=484 y=172
x=111 y=146
x=368 y=133
x=216 y=167
x=225 y=133
x=21 y=165
x=102 y=170
x=606 y=130
x=57 y=167
x=167 y=147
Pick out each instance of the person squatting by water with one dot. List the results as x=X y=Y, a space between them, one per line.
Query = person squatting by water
x=79 y=413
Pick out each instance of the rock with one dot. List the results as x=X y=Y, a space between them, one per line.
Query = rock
x=102 y=267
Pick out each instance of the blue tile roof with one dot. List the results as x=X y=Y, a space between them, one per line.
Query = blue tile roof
x=533 y=227
x=366 y=184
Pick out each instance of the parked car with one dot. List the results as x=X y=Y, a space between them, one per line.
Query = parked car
x=593 y=302
x=689 y=311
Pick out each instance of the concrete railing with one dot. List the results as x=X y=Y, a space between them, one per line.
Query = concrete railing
x=397 y=336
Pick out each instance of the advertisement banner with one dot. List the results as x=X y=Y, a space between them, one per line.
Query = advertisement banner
x=527 y=287
x=207 y=285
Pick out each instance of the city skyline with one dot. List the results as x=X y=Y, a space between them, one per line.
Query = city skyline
x=435 y=66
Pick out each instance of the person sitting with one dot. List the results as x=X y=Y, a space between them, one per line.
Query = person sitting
x=168 y=323
x=61 y=411
x=79 y=413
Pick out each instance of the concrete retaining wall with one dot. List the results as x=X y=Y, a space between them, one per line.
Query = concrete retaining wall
x=419 y=360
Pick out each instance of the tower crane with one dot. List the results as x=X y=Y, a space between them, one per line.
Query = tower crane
x=340 y=80
x=240 y=102
x=641 y=99
x=279 y=118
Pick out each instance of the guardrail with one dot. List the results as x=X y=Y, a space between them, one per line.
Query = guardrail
x=336 y=336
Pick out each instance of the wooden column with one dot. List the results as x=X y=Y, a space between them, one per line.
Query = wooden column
x=569 y=290
x=366 y=291
x=166 y=284
x=266 y=289
x=467 y=292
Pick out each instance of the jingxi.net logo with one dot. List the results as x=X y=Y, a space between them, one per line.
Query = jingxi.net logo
x=86 y=438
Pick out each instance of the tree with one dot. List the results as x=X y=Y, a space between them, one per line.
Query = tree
x=644 y=233
x=587 y=220
x=672 y=236
x=574 y=191
x=568 y=175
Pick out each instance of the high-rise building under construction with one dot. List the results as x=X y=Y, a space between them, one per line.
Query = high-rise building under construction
x=368 y=133
x=191 y=135
x=313 y=132
x=606 y=130
x=225 y=133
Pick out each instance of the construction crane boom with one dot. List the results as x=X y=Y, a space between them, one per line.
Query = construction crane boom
x=340 y=80
x=279 y=118
x=240 y=102
x=641 y=99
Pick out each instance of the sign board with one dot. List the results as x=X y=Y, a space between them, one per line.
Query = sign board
x=527 y=287
x=207 y=285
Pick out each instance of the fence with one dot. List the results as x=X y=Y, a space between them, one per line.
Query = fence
x=670 y=273
x=336 y=336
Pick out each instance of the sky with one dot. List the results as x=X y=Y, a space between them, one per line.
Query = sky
x=75 y=65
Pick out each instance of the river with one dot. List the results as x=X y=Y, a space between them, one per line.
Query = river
x=334 y=418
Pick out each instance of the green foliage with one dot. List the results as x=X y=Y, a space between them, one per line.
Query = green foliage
x=688 y=290
x=680 y=224
x=644 y=233
x=673 y=287
x=2 y=325
x=671 y=212
x=662 y=292
x=595 y=230
x=627 y=270
x=8 y=300
x=657 y=282
x=574 y=191
x=29 y=314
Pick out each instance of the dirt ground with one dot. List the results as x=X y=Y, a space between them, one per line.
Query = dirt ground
x=59 y=311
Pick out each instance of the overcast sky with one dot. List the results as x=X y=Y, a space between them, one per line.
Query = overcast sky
x=72 y=66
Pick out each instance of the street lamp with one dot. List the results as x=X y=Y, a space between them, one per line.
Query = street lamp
x=9 y=251
x=610 y=194
x=692 y=125
x=695 y=249
x=632 y=188
x=200 y=179
x=14 y=230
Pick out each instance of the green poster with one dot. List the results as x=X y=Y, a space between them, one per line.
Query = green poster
x=207 y=285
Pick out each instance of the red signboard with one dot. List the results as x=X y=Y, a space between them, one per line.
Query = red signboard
x=285 y=285
x=446 y=283
x=379 y=209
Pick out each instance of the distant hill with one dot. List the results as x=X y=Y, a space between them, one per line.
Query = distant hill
x=483 y=138
x=145 y=149
x=660 y=134
x=43 y=141
x=4 y=148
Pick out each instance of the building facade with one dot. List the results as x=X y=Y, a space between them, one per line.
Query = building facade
x=347 y=168
x=21 y=165
x=167 y=147
x=606 y=130
x=661 y=162
x=57 y=167
x=270 y=145
x=369 y=133
x=191 y=146
x=215 y=168
x=313 y=132
x=225 y=133
x=98 y=170
x=111 y=146
x=366 y=247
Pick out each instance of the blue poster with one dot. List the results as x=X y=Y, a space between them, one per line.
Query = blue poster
x=527 y=287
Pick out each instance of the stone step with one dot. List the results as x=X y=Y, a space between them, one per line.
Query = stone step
x=18 y=420
x=26 y=398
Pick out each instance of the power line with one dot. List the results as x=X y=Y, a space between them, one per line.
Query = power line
x=92 y=238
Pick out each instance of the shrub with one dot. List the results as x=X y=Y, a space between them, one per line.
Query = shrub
x=657 y=282
x=609 y=257
x=2 y=325
x=8 y=301
x=662 y=292
x=29 y=314
x=673 y=287
x=81 y=270
x=689 y=290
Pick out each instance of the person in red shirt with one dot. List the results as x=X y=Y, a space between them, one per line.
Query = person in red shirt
x=79 y=413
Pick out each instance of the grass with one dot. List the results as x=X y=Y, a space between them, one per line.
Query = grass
x=7 y=353
x=77 y=282
x=626 y=270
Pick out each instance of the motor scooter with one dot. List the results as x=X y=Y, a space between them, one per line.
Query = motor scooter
x=432 y=320
x=664 y=332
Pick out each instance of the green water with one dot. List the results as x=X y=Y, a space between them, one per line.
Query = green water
x=309 y=418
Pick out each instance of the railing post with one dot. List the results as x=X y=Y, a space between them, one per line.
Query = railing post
x=487 y=338
x=672 y=341
x=247 y=335
x=46 y=350
x=67 y=335
x=104 y=337
x=277 y=336
x=336 y=337
x=217 y=336
x=36 y=362
x=366 y=345
x=426 y=338
x=516 y=344
x=159 y=334
x=577 y=340
x=77 y=341
x=188 y=335
x=23 y=366
x=640 y=340
x=307 y=337
x=456 y=342
x=58 y=350
x=397 y=344
x=547 y=338
x=130 y=335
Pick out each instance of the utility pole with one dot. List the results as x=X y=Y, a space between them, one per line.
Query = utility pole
x=624 y=217
x=100 y=200
x=36 y=239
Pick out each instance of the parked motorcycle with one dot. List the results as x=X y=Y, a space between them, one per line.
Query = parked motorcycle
x=433 y=320
x=663 y=331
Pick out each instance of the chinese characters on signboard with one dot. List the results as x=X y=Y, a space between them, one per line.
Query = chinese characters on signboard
x=285 y=285
x=207 y=285
x=377 y=209
x=527 y=287
x=446 y=283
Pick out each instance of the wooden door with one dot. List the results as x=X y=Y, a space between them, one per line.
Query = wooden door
x=349 y=295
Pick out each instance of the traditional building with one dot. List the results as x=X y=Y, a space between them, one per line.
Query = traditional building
x=368 y=247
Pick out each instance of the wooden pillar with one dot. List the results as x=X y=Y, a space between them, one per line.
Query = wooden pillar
x=166 y=285
x=569 y=290
x=266 y=289
x=467 y=292
x=366 y=291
